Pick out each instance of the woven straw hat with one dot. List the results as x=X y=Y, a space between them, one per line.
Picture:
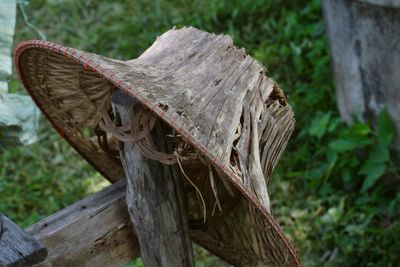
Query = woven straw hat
x=228 y=121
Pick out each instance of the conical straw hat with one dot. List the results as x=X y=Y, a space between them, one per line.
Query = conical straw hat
x=229 y=124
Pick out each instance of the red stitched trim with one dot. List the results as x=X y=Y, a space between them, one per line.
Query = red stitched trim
x=155 y=108
x=162 y=113
x=219 y=163
x=86 y=65
x=213 y=158
x=223 y=167
x=186 y=135
x=168 y=119
x=118 y=83
x=80 y=56
x=202 y=151
x=96 y=67
x=65 y=51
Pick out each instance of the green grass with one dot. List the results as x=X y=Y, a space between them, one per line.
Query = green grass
x=42 y=178
x=335 y=189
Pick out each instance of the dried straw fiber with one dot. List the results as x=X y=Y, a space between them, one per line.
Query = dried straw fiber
x=229 y=124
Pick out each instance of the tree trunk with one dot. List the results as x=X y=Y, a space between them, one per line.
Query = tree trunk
x=154 y=200
x=365 y=46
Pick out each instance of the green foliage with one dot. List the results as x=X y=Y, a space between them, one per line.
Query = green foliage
x=345 y=202
x=42 y=178
x=385 y=128
x=335 y=190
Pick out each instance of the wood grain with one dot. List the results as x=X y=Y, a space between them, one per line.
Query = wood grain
x=17 y=247
x=155 y=204
x=95 y=231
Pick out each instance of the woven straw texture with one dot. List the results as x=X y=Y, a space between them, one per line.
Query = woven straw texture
x=229 y=124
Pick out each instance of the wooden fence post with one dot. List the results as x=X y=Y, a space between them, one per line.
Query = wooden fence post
x=154 y=200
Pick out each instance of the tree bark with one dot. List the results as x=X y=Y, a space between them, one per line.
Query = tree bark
x=365 y=47
x=155 y=204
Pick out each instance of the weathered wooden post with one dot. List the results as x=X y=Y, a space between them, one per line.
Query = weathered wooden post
x=154 y=197
x=365 y=47
x=17 y=247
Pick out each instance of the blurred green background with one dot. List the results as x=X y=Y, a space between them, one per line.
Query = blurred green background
x=335 y=191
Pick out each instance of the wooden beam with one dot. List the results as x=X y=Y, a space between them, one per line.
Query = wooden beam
x=155 y=201
x=17 y=247
x=95 y=231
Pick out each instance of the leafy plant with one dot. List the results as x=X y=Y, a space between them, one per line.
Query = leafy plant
x=347 y=196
